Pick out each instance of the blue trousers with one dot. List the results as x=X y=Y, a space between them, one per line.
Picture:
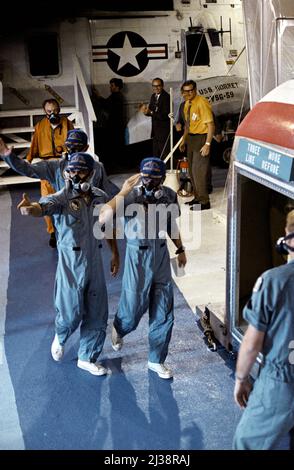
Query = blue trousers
x=269 y=414
x=147 y=284
x=81 y=299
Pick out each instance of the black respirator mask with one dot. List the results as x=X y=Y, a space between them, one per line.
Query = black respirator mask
x=80 y=184
x=151 y=188
x=281 y=245
x=73 y=147
x=54 y=118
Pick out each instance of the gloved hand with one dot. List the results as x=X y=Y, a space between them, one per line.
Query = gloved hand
x=27 y=207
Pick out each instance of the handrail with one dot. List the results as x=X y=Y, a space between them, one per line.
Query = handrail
x=172 y=151
x=171 y=128
x=14 y=130
x=34 y=112
x=84 y=89
x=86 y=107
x=82 y=112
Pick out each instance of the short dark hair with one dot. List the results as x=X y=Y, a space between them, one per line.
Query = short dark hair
x=117 y=82
x=51 y=101
x=159 y=79
x=189 y=82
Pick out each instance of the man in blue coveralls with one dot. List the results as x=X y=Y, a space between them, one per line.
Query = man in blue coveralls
x=269 y=412
x=53 y=170
x=80 y=289
x=147 y=282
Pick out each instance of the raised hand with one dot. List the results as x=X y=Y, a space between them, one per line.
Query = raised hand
x=27 y=207
x=130 y=183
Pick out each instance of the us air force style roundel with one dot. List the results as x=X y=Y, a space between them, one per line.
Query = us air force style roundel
x=75 y=205
x=127 y=53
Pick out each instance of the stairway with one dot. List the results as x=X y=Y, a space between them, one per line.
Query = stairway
x=18 y=134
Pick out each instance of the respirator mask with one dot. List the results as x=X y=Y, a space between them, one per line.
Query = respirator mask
x=281 y=245
x=73 y=147
x=54 y=118
x=81 y=185
x=151 y=188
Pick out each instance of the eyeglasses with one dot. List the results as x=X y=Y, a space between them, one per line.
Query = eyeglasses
x=188 y=91
x=156 y=86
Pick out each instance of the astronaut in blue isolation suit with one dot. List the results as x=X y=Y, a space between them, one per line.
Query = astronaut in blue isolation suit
x=53 y=170
x=269 y=411
x=80 y=289
x=147 y=281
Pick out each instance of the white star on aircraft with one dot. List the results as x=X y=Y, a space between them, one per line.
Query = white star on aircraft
x=127 y=54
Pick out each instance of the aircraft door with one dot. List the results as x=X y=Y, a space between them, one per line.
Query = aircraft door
x=261 y=195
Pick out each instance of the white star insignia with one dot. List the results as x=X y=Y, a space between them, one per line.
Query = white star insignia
x=127 y=54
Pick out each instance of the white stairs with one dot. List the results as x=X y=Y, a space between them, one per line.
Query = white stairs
x=22 y=143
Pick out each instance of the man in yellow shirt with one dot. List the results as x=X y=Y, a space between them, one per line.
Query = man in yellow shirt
x=199 y=130
x=47 y=143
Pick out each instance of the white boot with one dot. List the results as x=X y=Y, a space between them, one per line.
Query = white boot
x=93 y=368
x=57 y=350
x=163 y=371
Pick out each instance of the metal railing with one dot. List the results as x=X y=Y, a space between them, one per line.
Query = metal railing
x=82 y=115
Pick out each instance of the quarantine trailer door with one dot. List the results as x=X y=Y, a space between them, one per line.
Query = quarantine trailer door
x=261 y=194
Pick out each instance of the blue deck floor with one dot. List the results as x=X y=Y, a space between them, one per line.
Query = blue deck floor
x=62 y=407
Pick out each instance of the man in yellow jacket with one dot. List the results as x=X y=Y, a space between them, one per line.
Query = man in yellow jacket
x=47 y=143
x=198 y=134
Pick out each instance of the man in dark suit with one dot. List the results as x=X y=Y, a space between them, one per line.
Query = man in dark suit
x=110 y=127
x=158 y=110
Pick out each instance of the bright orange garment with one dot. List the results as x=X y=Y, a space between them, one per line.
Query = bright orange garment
x=49 y=143
x=46 y=189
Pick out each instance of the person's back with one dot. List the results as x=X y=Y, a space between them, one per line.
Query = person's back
x=115 y=104
x=269 y=407
x=110 y=128
x=276 y=318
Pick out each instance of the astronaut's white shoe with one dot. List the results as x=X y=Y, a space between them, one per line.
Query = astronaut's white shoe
x=163 y=371
x=93 y=367
x=116 y=340
x=57 y=350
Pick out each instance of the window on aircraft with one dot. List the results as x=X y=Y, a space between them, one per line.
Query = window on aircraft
x=214 y=37
x=197 y=49
x=43 y=53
